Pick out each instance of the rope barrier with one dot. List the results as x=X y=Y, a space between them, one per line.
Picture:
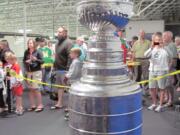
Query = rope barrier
x=47 y=65
x=14 y=74
x=160 y=77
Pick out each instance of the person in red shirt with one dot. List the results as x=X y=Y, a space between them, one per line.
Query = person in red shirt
x=16 y=83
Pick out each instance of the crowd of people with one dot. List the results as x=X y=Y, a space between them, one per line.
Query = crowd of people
x=157 y=57
x=40 y=60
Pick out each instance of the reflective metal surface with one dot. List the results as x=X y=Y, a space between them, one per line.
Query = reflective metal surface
x=105 y=101
x=106 y=115
x=97 y=13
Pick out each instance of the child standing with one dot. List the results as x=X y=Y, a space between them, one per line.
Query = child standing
x=2 y=103
x=16 y=84
x=74 y=72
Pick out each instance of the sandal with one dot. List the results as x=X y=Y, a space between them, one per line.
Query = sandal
x=168 y=104
x=39 y=109
x=56 y=107
x=32 y=109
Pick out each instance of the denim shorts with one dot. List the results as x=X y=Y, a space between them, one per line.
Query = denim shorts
x=161 y=84
x=59 y=77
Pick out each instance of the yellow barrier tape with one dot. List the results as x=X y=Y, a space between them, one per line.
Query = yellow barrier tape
x=47 y=65
x=62 y=86
x=12 y=73
x=160 y=77
x=133 y=63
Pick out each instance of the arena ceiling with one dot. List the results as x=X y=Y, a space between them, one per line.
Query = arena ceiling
x=44 y=16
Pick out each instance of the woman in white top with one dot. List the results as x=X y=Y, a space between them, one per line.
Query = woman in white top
x=159 y=66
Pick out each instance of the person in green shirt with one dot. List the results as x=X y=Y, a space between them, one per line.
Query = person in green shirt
x=138 y=50
x=48 y=61
x=47 y=56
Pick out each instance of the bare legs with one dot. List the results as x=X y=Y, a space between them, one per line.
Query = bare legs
x=59 y=80
x=60 y=98
x=19 y=104
x=153 y=93
x=35 y=94
x=162 y=92
x=32 y=98
x=39 y=99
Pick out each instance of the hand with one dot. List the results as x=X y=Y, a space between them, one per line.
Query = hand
x=34 y=58
x=152 y=45
x=65 y=80
x=28 y=61
x=17 y=84
x=8 y=78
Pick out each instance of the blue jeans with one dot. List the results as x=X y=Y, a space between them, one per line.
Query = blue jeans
x=46 y=78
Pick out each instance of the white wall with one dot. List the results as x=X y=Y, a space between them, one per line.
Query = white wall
x=16 y=44
x=132 y=29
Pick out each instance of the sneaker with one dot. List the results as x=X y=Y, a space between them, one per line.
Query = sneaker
x=158 y=109
x=16 y=111
x=20 y=113
x=152 y=107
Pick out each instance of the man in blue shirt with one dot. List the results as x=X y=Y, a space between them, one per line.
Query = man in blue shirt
x=79 y=44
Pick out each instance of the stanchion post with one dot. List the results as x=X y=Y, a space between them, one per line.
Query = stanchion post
x=8 y=92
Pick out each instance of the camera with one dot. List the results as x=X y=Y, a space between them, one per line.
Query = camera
x=156 y=43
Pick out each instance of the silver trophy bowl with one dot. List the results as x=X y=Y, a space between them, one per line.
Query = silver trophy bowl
x=97 y=14
x=105 y=101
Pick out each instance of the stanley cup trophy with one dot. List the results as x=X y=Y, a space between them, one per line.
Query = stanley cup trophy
x=105 y=101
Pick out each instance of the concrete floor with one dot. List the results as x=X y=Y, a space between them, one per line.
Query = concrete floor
x=51 y=122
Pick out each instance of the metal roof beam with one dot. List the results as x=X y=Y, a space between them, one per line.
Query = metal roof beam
x=156 y=8
x=151 y=4
x=166 y=6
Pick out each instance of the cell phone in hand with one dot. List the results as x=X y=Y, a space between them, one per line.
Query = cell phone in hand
x=156 y=43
